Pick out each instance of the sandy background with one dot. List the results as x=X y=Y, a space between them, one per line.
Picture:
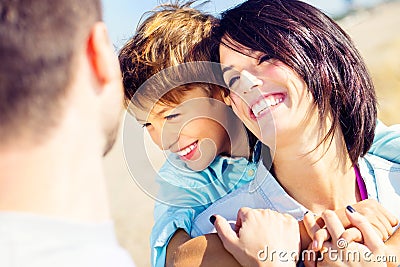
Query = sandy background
x=376 y=33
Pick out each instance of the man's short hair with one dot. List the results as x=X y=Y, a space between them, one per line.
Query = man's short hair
x=38 y=44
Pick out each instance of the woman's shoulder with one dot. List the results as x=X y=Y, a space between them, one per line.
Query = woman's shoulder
x=382 y=181
x=386 y=142
x=380 y=173
x=377 y=162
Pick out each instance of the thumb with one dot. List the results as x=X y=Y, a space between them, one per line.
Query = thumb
x=228 y=237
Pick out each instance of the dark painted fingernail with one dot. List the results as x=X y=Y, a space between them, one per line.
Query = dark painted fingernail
x=351 y=209
x=306 y=212
x=212 y=219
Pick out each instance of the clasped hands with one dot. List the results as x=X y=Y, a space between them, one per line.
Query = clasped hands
x=354 y=236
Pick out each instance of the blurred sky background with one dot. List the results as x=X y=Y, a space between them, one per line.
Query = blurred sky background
x=123 y=16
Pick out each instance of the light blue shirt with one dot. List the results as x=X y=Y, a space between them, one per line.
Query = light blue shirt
x=185 y=195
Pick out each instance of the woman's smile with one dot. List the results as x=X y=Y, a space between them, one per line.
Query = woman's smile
x=265 y=104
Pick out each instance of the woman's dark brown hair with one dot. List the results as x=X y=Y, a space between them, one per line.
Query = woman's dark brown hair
x=321 y=53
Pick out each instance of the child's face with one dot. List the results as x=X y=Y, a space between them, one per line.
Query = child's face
x=194 y=129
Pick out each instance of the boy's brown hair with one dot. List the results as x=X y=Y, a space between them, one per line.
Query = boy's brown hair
x=164 y=39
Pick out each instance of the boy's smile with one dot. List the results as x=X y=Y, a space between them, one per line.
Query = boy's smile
x=187 y=153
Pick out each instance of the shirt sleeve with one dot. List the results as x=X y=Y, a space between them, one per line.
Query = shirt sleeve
x=386 y=143
x=175 y=209
x=184 y=193
x=167 y=220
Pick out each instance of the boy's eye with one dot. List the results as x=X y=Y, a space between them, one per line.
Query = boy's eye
x=172 y=116
x=145 y=125
x=233 y=80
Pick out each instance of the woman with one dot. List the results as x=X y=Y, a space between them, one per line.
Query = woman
x=300 y=85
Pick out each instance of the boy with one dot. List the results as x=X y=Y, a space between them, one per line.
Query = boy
x=211 y=129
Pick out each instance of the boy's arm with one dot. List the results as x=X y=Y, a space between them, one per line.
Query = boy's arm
x=206 y=250
x=168 y=222
x=180 y=237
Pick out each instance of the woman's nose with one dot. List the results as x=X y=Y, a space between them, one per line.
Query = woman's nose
x=250 y=81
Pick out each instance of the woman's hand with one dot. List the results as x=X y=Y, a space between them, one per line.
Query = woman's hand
x=357 y=246
x=261 y=237
x=380 y=218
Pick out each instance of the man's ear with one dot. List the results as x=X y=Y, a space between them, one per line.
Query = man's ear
x=101 y=55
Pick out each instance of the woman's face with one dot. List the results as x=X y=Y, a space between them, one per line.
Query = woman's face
x=267 y=95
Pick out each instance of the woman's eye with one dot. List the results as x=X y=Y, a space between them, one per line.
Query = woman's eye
x=172 y=116
x=264 y=58
x=232 y=81
x=145 y=125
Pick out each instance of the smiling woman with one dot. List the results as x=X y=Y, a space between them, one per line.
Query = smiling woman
x=294 y=72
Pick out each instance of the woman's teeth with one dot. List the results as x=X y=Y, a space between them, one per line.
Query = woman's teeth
x=186 y=151
x=265 y=104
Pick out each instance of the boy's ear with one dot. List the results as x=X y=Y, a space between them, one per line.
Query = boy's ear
x=223 y=95
x=226 y=98
x=101 y=55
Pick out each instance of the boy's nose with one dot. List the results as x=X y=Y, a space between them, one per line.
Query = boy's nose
x=168 y=137
x=162 y=138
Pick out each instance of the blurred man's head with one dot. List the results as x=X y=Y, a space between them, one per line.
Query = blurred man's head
x=49 y=49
